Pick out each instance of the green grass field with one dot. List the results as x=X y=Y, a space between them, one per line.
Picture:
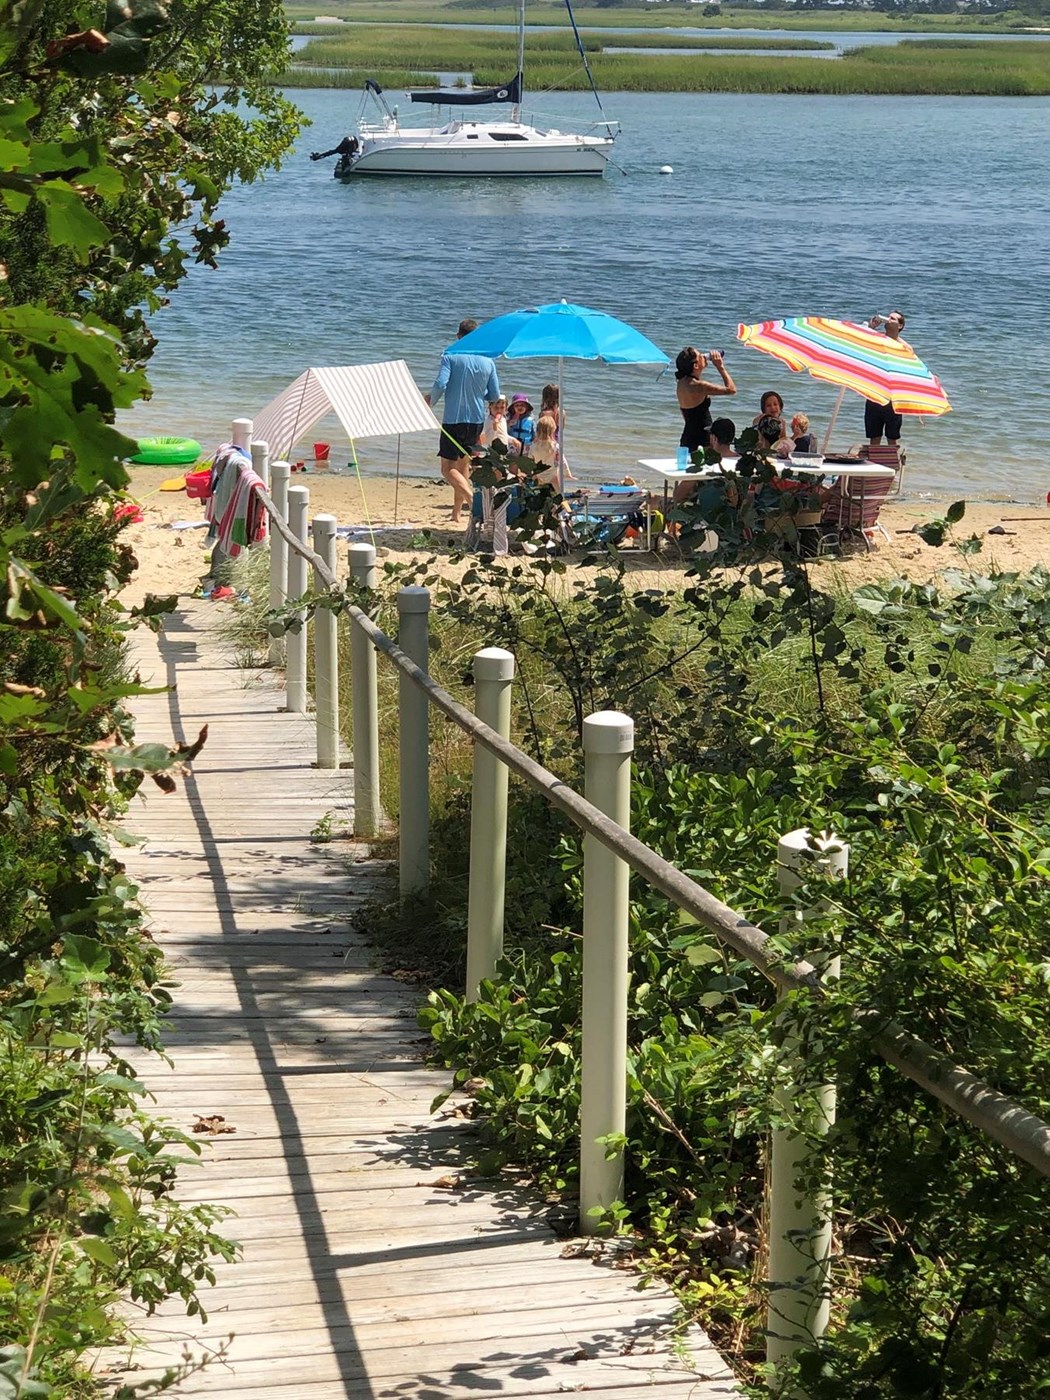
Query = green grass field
x=930 y=67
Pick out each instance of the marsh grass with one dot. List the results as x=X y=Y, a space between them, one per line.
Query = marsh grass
x=939 y=68
x=352 y=78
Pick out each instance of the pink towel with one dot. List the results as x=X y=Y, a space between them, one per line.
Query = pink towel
x=234 y=508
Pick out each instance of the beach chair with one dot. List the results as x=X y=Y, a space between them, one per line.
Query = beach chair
x=851 y=507
x=487 y=530
x=882 y=455
x=604 y=516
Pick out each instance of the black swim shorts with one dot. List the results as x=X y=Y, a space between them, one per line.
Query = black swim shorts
x=458 y=440
x=881 y=421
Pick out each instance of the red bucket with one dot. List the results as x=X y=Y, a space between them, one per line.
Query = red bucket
x=321 y=451
x=198 y=485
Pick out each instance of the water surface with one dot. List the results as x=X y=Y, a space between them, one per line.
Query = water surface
x=778 y=206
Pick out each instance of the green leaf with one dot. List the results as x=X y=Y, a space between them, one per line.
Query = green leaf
x=56 y=994
x=69 y=221
x=98 y=1250
x=64 y=1040
x=84 y=954
x=955 y=512
x=146 y=758
x=701 y=954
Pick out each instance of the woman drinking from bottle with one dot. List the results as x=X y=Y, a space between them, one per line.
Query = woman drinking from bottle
x=695 y=394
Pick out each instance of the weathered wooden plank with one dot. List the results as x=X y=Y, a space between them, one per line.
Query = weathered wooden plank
x=597 y=1378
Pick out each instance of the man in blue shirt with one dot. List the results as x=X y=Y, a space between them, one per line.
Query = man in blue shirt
x=468 y=383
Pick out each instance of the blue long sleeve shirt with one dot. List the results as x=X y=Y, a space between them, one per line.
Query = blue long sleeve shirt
x=468 y=383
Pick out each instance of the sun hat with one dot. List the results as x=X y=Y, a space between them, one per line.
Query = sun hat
x=521 y=398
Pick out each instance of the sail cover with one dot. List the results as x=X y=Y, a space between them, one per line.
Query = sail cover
x=471 y=97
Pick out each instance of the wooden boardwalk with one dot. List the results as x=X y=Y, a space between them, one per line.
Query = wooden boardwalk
x=370 y=1267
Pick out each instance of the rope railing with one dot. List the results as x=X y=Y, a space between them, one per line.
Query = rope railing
x=798 y=1303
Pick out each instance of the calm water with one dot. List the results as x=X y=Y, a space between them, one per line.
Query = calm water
x=778 y=206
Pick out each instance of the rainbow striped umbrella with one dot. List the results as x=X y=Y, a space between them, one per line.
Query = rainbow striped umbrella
x=854 y=357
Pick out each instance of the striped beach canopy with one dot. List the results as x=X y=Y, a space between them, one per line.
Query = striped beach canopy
x=853 y=357
x=369 y=400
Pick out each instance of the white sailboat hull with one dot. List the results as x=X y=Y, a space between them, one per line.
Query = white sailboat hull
x=471 y=149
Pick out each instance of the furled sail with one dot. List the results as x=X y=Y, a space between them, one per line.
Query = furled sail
x=471 y=97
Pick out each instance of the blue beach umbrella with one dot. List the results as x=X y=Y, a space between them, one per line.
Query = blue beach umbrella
x=560 y=330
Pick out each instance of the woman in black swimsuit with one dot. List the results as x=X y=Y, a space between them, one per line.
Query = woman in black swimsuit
x=694 y=395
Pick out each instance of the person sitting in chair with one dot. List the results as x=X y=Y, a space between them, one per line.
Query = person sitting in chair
x=723 y=432
x=772 y=437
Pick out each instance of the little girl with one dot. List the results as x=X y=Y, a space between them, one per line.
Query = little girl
x=544 y=449
x=495 y=429
x=804 y=439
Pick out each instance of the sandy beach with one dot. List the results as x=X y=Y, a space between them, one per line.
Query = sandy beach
x=410 y=520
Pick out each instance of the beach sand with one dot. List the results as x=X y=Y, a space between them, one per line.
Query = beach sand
x=173 y=561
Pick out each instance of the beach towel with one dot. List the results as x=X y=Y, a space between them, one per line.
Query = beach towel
x=234 y=509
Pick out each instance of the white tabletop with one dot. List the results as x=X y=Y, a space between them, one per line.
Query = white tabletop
x=668 y=468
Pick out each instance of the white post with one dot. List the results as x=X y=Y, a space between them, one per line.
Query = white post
x=800 y=1216
x=295 y=641
x=280 y=472
x=413 y=606
x=608 y=741
x=326 y=651
x=241 y=433
x=493 y=676
x=364 y=700
x=261 y=462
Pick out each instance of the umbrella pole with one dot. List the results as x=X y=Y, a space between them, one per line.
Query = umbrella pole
x=561 y=437
x=397 y=476
x=834 y=416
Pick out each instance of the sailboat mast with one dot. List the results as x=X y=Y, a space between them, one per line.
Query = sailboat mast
x=515 y=115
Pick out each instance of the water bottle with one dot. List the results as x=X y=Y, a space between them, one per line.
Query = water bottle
x=682 y=459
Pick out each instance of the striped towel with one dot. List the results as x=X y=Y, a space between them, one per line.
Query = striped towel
x=234 y=508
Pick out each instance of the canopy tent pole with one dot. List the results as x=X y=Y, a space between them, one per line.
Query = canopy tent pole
x=834 y=416
x=397 y=476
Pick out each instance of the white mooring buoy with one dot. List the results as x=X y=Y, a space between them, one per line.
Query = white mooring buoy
x=666 y=169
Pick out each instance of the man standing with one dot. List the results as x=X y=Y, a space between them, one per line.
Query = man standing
x=880 y=418
x=468 y=383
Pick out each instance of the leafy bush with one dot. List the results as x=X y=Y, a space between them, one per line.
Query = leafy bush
x=92 y=128
x=910 y=720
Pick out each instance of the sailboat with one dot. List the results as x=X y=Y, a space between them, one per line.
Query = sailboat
x=469 y=148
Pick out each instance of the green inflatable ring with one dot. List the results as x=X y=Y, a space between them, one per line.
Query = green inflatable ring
x=166 y=452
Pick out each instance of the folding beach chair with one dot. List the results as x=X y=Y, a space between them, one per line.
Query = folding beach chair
x=491 y=511
x=852 y=507
x=883 y=455
x=603 y=517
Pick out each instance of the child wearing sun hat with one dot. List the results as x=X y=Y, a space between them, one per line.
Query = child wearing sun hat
x=520 y=423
